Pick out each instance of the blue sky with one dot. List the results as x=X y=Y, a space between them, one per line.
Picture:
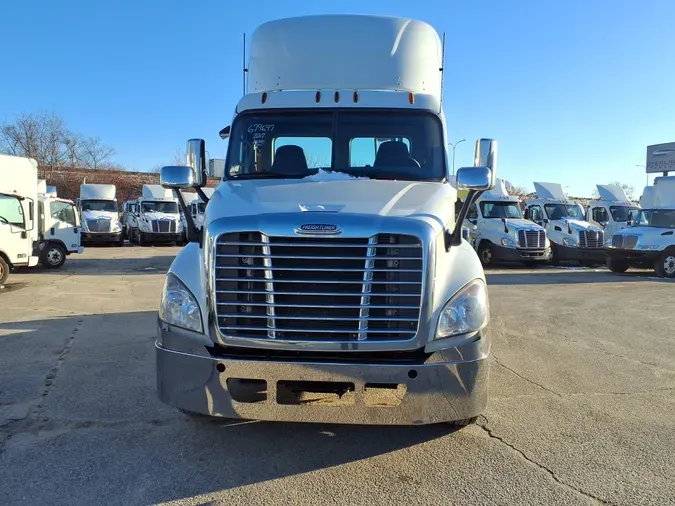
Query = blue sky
x=574 y=91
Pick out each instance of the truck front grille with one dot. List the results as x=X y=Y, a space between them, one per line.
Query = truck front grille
x=591 y=239
x=166 y=226
x=624 y=241
x=318 y=289
x=535 y=239
x=99 y=225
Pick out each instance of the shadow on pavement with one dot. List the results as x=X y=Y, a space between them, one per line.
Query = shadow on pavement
x=158 y=264
x=568 y=276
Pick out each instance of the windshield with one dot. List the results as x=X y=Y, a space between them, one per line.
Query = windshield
x=159 y=207
x=99 y=205
x=500 y=210
x=661 y=218
x=378 y=144
x=11 y=211
x=562 y=211
x=621 y=213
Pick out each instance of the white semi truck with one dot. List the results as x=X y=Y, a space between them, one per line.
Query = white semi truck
x=612 y=211
x=329 y=282
x=155 y=218
x=649 y=241
x=100 y=215
x=500 y=234
x=572 y=238
x=197 y=207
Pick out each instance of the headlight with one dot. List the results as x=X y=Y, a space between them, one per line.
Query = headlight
x=180 y=226
x=116 y=227
x=508 y=242
x=467 y=311
x=608 y=243
x=178 y=306
x=568 y=241
x=145 y=227
x=649 y=246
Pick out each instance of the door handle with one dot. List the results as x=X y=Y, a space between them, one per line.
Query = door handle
x=51 y=230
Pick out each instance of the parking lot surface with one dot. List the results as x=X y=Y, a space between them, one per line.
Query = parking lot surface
x=582 y=406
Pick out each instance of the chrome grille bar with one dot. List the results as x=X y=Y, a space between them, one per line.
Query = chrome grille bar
x=367 y=285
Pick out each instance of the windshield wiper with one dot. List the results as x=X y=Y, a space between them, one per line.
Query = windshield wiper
x=271 y=175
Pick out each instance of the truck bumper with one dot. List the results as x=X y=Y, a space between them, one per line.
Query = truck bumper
x=443 y=388
x=636 y=258
x=161 y=237
x=101 y=237
x=516 y=255
x=568 y=254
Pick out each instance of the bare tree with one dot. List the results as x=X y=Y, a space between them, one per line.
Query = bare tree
x=39 y=136
x=179 y=158
x=517 y=191
x=96 y=155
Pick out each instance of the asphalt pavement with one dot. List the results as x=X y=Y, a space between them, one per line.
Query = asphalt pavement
x=582 y=407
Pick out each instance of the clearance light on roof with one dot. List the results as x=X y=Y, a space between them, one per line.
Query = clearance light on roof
x=411 y=98
x=356 y=96
x=264 y=97
x=337 y=97
x=318 y=96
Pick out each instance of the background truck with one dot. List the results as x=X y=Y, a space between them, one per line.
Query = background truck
x=649 y=241
x=156 y=217
x=572 y=238
x=329 y=282
x=499 y=233
x=611 y=211
x=197 y=208
x=19 y=234
x=59 y=227
x=99 y=214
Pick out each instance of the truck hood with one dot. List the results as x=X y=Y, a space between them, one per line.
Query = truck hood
x=519 y=224
x=100 y=215
x=161 y=216
x=575 y=225
x=421 y=200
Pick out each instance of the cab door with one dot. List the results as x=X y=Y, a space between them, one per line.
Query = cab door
x=62 y=224
x=15 y=225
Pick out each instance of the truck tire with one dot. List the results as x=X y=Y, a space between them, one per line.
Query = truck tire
x=4 y=270
x=664 y=265
x=463 y=423
x=485 y=253
x=53 y=256
x=617 y=265
x=555 y=256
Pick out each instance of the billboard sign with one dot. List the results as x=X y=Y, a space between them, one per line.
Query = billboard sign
x=661 y=158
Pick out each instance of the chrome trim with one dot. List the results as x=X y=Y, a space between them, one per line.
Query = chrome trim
x=269 y=285
x=352 y=226
x=317 y=229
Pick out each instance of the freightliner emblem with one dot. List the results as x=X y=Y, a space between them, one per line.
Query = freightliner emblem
x=318 y=229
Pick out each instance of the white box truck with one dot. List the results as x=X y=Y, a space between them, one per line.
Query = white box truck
x=329 y=282
x=156 y=217
x=59 y=227
x=500 y=234
x=100 y=215
x=649 y=241
x=572 y=238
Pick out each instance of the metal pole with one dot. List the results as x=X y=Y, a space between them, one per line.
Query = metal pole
x=453 y=153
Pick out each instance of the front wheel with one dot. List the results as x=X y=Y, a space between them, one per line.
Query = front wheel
x=463 y=423
x=617 y=265
x=486 y=255
x=4 y=270
x=665 y=264
x=53 y=256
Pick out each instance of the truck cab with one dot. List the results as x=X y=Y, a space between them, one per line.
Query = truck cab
x=99 y=214
x=572 y=238
x=59 y=227
x=329 y=282
x=500 y=234
x=649 y=241
x=158 y=219
x=612 y=211
x=198 y=207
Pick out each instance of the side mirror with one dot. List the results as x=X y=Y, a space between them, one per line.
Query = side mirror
x=177 y=177
x=603 y=224
x=482 y=175
x=225 y=132
x=545 y=221
x=196 y=158
x=527 y=214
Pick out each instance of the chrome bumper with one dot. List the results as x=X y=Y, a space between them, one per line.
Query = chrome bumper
x=451 y=384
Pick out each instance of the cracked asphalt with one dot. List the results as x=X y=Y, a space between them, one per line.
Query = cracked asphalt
x=582 y=407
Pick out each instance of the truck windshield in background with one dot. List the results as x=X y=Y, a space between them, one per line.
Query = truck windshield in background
x=562 y=211
x=660 y=218
x=379 y=144
x=99 y=205
x=159 y=207
x=621 y=213
x=500 y=210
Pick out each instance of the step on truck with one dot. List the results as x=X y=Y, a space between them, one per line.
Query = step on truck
x=611 y=211
x=156 y=218
x=329 y=282
x=59 y=227
x=500 y=234
x=100 y=215
x=649 y=241
x=572 y=238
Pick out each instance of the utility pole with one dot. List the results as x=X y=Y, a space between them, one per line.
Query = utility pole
x=453 y=153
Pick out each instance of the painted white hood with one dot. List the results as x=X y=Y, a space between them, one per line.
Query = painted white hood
x=421 y=200
x=162 y=216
